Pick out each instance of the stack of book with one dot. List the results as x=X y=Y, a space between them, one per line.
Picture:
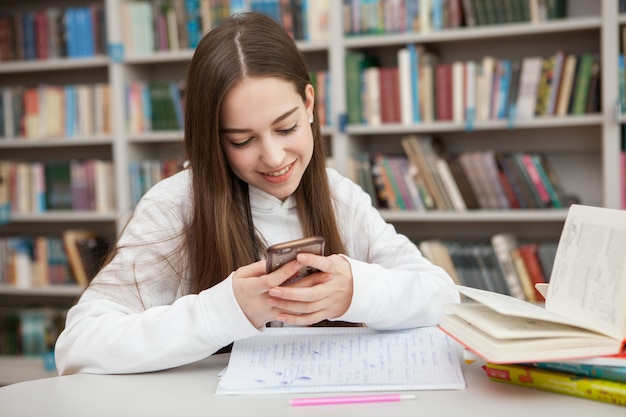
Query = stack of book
x=584 y=317
x=599 y=379
x=427 y=178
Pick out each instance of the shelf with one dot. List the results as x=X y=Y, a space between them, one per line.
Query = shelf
x=168 y=136
x=477 y=216
x=186 y=54
x=49 y=143
x=160 y=57
x=63 y=217
x=156 y=137
x=62 y=291
x=475 y=33
x=57 y=64
x=434 y=127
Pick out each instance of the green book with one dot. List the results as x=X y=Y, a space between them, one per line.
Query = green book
x=356 y=62
x=58 y=185
x=581 y=84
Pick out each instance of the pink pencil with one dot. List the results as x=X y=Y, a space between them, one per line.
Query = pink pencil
x=351 y=399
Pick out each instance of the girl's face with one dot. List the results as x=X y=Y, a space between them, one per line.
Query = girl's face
x=266 y=134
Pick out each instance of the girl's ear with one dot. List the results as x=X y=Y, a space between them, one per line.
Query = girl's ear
x=309 y=93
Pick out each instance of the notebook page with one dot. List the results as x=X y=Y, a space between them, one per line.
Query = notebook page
x=333 y=359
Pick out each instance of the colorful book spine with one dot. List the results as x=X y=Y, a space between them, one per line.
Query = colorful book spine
x=558 y=382
x=609 y=373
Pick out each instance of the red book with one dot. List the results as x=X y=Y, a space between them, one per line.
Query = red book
x=41 y=35
x=529 y=253
x=443 y=91
x=389 y=95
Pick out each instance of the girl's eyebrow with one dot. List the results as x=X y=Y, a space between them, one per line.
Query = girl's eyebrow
x=277 y=120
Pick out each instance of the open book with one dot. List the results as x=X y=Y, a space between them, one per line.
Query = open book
x=585 y=309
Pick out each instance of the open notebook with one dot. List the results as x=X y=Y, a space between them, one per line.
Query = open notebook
x=342 y=359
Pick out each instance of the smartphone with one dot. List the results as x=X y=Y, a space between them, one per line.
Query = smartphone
x=281 y=253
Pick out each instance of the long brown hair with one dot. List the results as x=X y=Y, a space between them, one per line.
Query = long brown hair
x=220 y=237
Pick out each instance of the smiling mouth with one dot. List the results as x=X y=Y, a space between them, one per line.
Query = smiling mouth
x=279 y=173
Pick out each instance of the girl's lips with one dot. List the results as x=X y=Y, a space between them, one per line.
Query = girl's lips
x=280 y=175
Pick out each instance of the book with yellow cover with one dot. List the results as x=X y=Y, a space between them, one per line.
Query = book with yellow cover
x=585 y=308
x=559 y=382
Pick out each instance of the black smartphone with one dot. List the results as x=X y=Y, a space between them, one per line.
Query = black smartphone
x=281 y=253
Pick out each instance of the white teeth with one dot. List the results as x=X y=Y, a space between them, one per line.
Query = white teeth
x=279 y=173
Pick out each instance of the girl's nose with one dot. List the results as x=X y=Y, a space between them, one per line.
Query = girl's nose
x=272 y=152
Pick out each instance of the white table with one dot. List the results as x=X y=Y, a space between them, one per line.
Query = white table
x=190 y=391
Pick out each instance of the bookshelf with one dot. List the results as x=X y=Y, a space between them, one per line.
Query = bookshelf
x=584 y=148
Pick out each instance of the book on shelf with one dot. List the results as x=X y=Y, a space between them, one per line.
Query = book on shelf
x=179 y=24
x=465 y=188
x=473 y=179
x=529 y=253
x=55 y=111
x=53 y=32
x=86 y=251
x=30 y=331
x=580 y=91
x=389 y=95
x=503 y=245
x=567 y=84
x=443 y=92
x=478 y=264
x=31 y=261
x=596 y=389
x=437 y=252
x=371 y=96
x=432 y=16
x=415 y=152
x=585 y=311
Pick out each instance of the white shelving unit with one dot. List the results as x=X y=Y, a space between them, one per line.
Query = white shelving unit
x=584 y=149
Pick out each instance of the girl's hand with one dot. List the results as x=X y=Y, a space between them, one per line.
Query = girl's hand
x=322 y=295
x=251 y=286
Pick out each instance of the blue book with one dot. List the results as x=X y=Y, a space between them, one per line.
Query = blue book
x=415 y=104
x=86 y=34
x=28 y=30
x=178 y=105
x=609 y=373
x=146 y=106
x=70 y=110
x=505 y=84
x=70 y=32
x=437 y=14
x=136 y=187
x=194 y=31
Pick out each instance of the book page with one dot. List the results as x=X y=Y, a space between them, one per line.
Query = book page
x=588 y=281
x=511 y=306
x=503 y=326
x=335 y=359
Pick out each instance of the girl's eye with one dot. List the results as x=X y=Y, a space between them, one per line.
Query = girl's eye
x=288 y=131
x=241 y=145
